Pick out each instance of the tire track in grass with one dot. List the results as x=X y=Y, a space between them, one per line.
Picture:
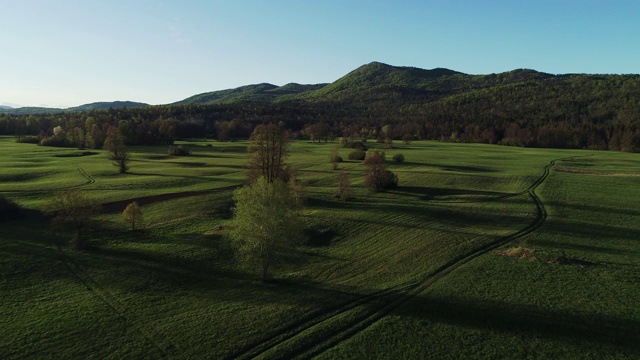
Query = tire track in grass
x=90 y=179
x=299 y=335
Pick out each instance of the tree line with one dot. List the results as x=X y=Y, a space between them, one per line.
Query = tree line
x=583 y=112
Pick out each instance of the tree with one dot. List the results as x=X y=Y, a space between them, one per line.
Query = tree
x=335 y=158
x=73 y=208
x=377 y=177
x=344 y=187
x=268 y=149
x=265 y=225
x=399 y=158
x=118 y=152
x=133 y=214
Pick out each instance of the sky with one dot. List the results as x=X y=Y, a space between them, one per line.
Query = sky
x=72 y=52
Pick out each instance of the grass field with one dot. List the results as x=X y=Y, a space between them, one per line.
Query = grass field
x=482 y=251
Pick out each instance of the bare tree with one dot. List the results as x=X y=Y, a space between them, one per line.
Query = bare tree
x=268 y=149
x=73 y=208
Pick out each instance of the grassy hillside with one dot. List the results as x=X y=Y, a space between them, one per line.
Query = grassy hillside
x=482 y=251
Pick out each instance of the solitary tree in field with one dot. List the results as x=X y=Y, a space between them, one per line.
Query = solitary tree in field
x=268 y=149
x=133 y=215
x=118 y=152
x=73 y=208
x=344 y=187
x=335 y=158
x=378 y=177
x=265 y=225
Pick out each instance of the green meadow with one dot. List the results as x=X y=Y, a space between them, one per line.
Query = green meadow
x=481 y=252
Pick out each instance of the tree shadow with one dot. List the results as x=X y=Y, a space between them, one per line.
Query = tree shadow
x=521 y=319
x=451 y=194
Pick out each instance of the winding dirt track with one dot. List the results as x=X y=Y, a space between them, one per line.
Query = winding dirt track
x=295 y=341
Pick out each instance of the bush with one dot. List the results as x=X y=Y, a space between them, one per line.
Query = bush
x=179 y=150
x=55 y=141
x=335 y=158
x=399 y=158
x=29 y=140
x=357 y=154
x=378 y=178
x=374 y=157
x=354 y=144
x=8 y=209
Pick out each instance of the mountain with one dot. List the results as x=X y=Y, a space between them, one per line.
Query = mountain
x=257 y=93
x=108 y=105
x=5 y=107
x=29 y=110
x=371 y=82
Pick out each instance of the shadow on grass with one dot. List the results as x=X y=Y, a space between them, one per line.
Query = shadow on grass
x=118 y=206
x=595 y=232
x=526 y=321
x=451 y=194
x=594 y=208
x=461 y=168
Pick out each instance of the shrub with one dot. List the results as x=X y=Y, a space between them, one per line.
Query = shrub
x=29 y=140
x=344 y=187
x=399 y=158
x=353 y=144
x=8 y=209
x=357 y=154
x=335 y=158
x=179 y=150
x=378 y=178
x=374 y=157
x=54 y=141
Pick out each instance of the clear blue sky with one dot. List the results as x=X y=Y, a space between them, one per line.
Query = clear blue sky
x=71 y=52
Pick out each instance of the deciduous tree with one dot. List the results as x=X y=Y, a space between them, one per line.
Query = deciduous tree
x=73 y=208
x=378 y=177
x=265 y=225
x=268 y=149
x=133 y=215
x=118 y=152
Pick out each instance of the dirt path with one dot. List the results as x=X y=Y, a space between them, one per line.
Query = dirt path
x=297 y=341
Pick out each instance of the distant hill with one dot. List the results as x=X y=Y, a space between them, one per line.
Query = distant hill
x=87 y=107
x=5 y=107
x=371 y=82
x=258 y=93
x=108 y=105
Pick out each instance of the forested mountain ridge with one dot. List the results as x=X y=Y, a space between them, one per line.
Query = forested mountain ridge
x=259 y=93
x=373 y=80
x=29 y=110
x=378 y=101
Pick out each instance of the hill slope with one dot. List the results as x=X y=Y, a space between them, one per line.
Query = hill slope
x=371 y=82
x=29 y=110
x=260 y=92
